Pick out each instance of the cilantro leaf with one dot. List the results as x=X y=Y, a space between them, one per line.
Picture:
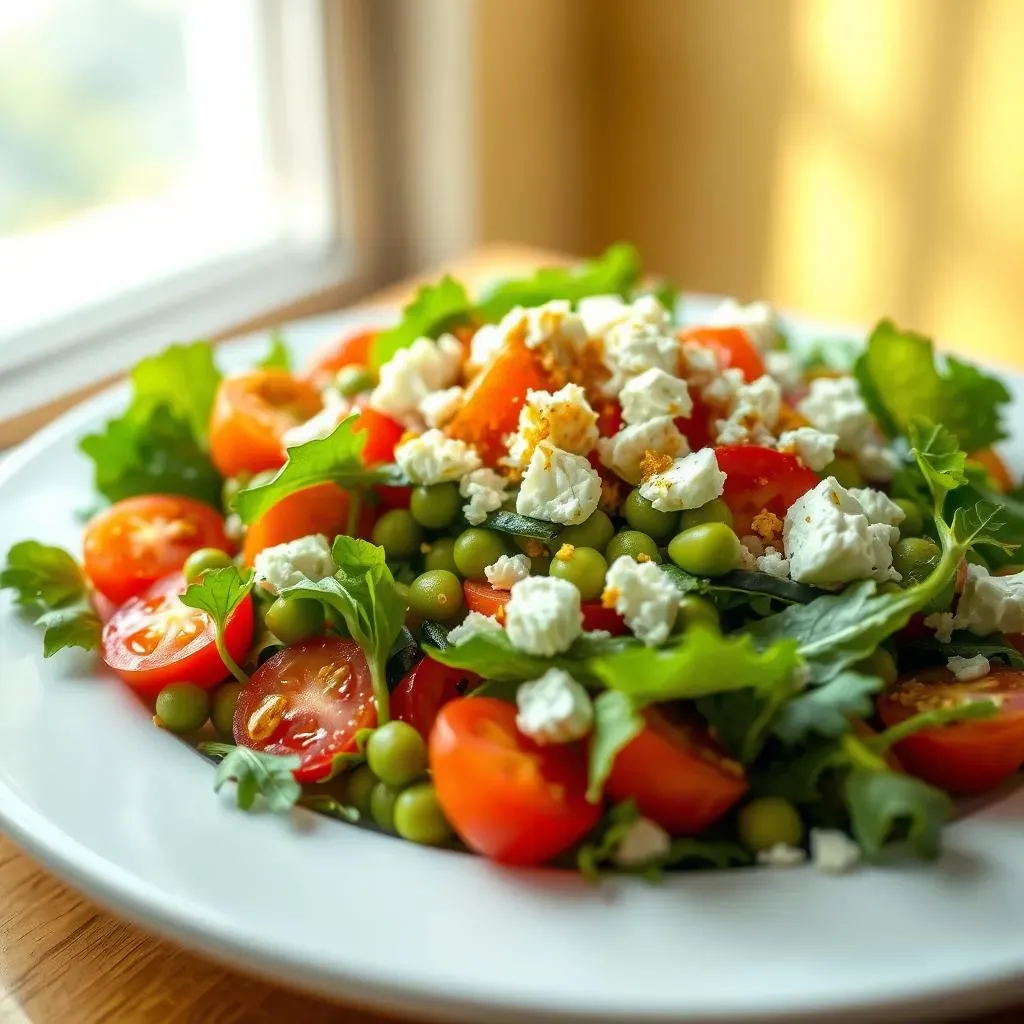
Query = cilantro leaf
x=899 y=380
x=278 y=356
x=978 y=525
x=616 y=723
x=256 y=774
x=337 y=458
x=218 y=592
x=434 y=309
x=825 y=710
x=938 y=455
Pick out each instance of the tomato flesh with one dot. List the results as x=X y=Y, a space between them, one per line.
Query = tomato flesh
x=348 y=350
x=426 y=688
x=382 y=435
x=508 y=798
x=759 y=478
x=732 y=346
x=678 y=776
x=309 y=699
x=153 y=639
x=137 y=541
x=487 y=600
x=963 y=757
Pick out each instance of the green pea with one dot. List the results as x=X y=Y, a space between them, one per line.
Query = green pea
x=359 y=788
x=769 y=820
x=632 y=543
x=396 y=754
x=222 y=714
x=398 y=534
x=584 y=568
x=440 y=554
x=182 y=707
x=914 y=558
x=419 y=818
x=643 y=516
x=475 y=549
x=707 y=550
x=354 y=379
x=205 y=558
x=295 y=619
x=913 y=519
x=436 y=594
x=435 y=507
x=714 y=511
x=846 y=471
x=594 y=532
x=382 y=806
x=695 y=610
x=881 y=664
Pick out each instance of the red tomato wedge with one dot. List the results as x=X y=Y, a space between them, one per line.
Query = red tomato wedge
x=696 y=427
x=508 y=798
x=732 y=346
x=963 y=757
x=426 y=688
x=251 y=413
x=310 y=700
x=137 y=541
x=678 y=776
x=153 y=639
x=349 y=349
x=382 y=435
x=485 y=599
x=761 y=478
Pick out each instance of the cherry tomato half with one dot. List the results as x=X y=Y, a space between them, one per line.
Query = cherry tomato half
x=251 y=413
x=426 y=688
x=509 y=799
x=137 y=541
x=678 y=776
x=732 y=346
x=760 y=478
x=382 y=435
x=485 y=599
x=310 y=699
x=963 y=757
x=349 y=349
x=154 y=639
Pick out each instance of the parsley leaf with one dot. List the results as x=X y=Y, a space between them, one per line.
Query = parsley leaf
x=75 y=625
x=825 y=710
x=433 y=310
x=256 y=774
x=278 y=356
x=218 y=592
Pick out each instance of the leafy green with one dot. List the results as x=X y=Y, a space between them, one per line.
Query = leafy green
x=218 y=592
x=938 y=455
x=740 y=581
x=278 y=356
x=616 y=722
x=48 y=581
x=900 y=380
x=321 y=803
x=256 y=774
x=797 y=779
x=610 y=831
x=825 y=710
x=436 y=634
x=962 y=644
x=337 y=458
x=522 y=526
x=182 y=379
x=364 y=594
x=434 y=308
x=966 y=711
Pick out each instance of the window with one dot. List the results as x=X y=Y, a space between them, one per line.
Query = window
x=167 y=168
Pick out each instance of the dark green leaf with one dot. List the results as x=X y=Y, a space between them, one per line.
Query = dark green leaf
x=962 y=644
x=616 y=722
x=797 y=779
x=522 y=526
x=70 y=626
x=436 y=634
x=694 y=853
x=278 y=357
x=403 y=656
x=256 y=774
x=42 y=575
x=434 y=309
x=740 y=581
x=739 y=720
x=826 y=710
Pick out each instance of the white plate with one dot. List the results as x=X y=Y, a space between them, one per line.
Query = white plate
x=126 y=813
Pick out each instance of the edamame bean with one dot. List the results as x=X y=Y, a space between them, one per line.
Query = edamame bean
x=396 y=754
x=880 y=663
x=435 y=507
x=710 y=549
x=436 y=594
x=695 y=610
x=418 y=816
x=182 y=707
x=398 y=534
x=846 y=471
x=359 y=788
x=767 y=821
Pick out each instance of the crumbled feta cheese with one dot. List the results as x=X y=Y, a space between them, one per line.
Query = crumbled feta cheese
x=654 y=393
x=785 y=368
x=774 y=563
x=835 y=406
x=991 y=604
x=942 y=623
x=486 y=491
x=833 y=852
x=624 y=452
x=636 y=345
x=751 y=549
x=644 y=842
x=757 y=319
x=829 y=540
x=877 y=462
x=644 y=596
x=753 y=413
x=699 y=364
x=968 y=669
x=543 y=615
x=433 y=458
x=334 y=410
x=552 y=326
x=878 y=507
x=554 y=709
x=781 y=855
x=722 y=390
x=474 y=624
x=507 y=570
x=487 y=342
x=441 y=406
x=600 y=313
x=296 y=561
x=815 y=448
x=563 y=419
x=689 y=482
x=558 y=487
x=414 y=373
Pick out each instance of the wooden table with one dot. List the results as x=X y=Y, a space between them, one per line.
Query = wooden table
x=62 y=959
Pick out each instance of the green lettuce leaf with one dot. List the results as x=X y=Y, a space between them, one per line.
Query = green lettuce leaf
x=435 y=309
x=278 y=356
x=616 y=722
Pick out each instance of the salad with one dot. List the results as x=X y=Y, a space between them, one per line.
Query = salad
x=552 y=576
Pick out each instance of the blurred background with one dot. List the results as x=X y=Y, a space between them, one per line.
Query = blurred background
x=170 y=168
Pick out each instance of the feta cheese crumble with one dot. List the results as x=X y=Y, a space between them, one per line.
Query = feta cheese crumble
x=833 y=852
x=654 y=393
x=990 y=604
x=785 y=368
x=558 y=487
x=554 y=709
x=486 y=491
x=543 y=615
x=563 y=419
x=814 y=448
x=413 y=374
x=968 y=669
x=474 y=624
x=600 y=313
x=296 y=561
x=878 y=507
x=756 y=319
x=643 y=341
x=507 y=570
x=781 y=855
x=624 y=452
x=433 y=458
x=773 y=562
x=441 y=406
x=644 y=842
x=644 y=596
x=835 y=406
x=753 y=413
x=689 y=482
